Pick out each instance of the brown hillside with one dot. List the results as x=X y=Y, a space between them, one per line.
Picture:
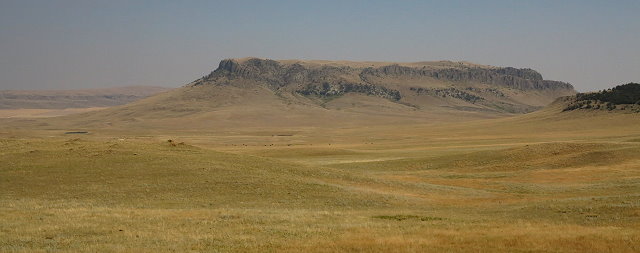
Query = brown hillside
x=253 y=92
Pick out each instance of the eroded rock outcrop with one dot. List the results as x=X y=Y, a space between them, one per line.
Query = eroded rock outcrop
x=338 y=89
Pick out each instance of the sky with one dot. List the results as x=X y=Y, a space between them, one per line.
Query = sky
x=77 y=44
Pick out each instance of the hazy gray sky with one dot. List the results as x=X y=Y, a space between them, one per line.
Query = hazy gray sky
x=89 y=44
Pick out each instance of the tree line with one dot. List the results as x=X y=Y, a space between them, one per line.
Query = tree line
x=621 y=94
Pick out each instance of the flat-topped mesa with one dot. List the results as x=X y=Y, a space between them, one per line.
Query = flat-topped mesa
x=283 y=73
x=413 y=84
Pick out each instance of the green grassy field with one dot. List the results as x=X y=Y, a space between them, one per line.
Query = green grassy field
x=533 y=183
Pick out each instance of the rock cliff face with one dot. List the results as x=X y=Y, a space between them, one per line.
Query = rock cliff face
x=466 y=83
x=524 y=79
x=275 y=74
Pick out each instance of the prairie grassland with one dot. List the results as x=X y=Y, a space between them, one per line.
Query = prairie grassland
x=527 y=184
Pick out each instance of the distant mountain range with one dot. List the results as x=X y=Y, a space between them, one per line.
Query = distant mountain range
x=64 y=99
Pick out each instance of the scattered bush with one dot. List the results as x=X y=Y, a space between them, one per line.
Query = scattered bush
x=407 y=217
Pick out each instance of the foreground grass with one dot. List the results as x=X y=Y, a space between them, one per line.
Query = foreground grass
x=152 y=196
x=512 y=186
x=51 y=228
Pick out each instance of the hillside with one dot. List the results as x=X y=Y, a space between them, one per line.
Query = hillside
x=263 y=93
x=547 y=181
x=64 y=99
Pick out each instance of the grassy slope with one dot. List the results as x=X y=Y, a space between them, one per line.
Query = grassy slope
x=540 y=182
x=229 y=108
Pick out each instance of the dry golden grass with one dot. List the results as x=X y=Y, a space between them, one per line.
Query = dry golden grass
x=43 y=113
x=544 y=182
